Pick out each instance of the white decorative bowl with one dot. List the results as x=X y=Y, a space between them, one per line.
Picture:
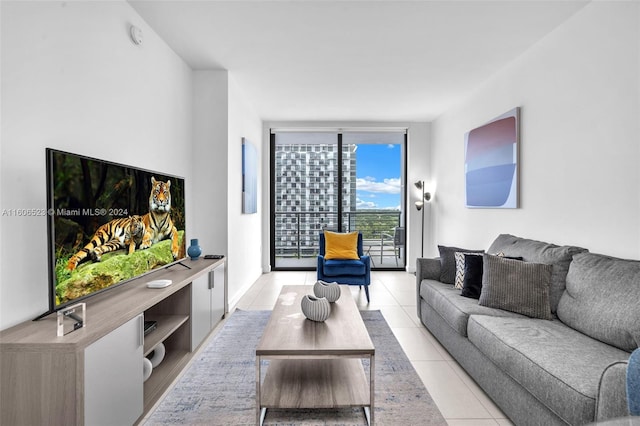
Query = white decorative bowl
x=157 y=355
x=331 y=291
x=315 y=308
x=147 y=368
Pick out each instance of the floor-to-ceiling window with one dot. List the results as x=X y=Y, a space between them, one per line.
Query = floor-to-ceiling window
x=340 y=181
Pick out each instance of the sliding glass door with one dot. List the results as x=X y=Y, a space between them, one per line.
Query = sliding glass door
x=341 y=182
x=377 y=167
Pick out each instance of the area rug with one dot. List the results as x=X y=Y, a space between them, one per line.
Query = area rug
x=219 y=386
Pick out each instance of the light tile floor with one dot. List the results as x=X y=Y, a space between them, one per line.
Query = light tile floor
x=460 y=400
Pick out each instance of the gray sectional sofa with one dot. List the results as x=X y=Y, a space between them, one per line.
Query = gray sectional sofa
x=567 y=370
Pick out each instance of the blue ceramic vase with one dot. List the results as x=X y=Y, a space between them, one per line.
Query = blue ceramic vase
x=194 y=251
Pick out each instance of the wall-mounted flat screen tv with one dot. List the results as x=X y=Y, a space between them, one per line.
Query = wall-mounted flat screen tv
x=108 y=223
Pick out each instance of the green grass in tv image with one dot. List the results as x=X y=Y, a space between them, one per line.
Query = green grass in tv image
x=86 y=195
x=112 y=269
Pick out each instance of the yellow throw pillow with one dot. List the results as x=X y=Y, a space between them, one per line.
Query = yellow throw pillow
x=341 y=246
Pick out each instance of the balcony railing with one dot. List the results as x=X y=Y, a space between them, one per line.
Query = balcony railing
x=297 y=234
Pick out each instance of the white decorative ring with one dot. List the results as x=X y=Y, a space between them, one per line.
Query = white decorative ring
x=147 y=368
x=331 y=291
x=158 y=355
x=315 y=308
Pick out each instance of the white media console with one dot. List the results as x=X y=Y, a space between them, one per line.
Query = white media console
x=94 y=375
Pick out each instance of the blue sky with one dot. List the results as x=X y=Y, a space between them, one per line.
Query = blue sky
x=378 y=176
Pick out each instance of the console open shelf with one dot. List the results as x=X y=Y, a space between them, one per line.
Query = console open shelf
x=176 y=357
x=166 y=325
x=173 y=317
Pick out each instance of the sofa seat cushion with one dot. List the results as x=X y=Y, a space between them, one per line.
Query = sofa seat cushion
x=453 y=307
x=559 y=366
x=334 y=268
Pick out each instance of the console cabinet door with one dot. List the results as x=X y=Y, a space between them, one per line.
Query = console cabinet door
x=200 y=309
x=208 y=301
x=217 y=295
x=113 y=382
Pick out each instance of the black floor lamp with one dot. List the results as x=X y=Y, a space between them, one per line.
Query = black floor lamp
x=426 y=196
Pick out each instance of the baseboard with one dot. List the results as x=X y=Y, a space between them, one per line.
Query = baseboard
x=236 y=298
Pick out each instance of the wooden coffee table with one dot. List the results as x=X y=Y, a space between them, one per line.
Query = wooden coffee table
x=314 y=364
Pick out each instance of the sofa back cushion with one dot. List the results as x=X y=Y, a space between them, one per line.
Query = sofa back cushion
x=602 y=299
x=540 y=252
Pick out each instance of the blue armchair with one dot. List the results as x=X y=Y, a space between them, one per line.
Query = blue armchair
x=352 y=272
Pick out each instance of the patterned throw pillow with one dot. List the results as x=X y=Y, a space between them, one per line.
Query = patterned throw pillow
x=459 y=257
x=516 y=286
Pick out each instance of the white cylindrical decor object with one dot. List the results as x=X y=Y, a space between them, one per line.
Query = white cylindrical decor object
x=331 y=291
x=315 y=308
x=147 y=368
x=158 y=355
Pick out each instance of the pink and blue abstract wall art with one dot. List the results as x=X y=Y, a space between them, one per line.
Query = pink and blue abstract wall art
x=491 y=163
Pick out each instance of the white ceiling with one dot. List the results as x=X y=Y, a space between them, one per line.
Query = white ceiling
x=354 y=60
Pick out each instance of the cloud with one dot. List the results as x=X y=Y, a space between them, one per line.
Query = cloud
x=370 y=205
x=387 y=186
x=361 y=204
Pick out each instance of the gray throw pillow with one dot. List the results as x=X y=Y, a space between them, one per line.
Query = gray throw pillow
x=448 y=262
x=516 y=286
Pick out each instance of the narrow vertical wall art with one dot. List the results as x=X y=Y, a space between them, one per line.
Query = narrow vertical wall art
x=491 y=163
x=249 y=177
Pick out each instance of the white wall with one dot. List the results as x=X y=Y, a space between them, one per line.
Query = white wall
x=244 y=230
x=418 y=168
x=222 y=116
x=73 y=80
x=580 y=181
x=210 y=150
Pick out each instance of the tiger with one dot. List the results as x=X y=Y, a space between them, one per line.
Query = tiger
x=126 y=232
x=134 y=233
x=158 y=224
